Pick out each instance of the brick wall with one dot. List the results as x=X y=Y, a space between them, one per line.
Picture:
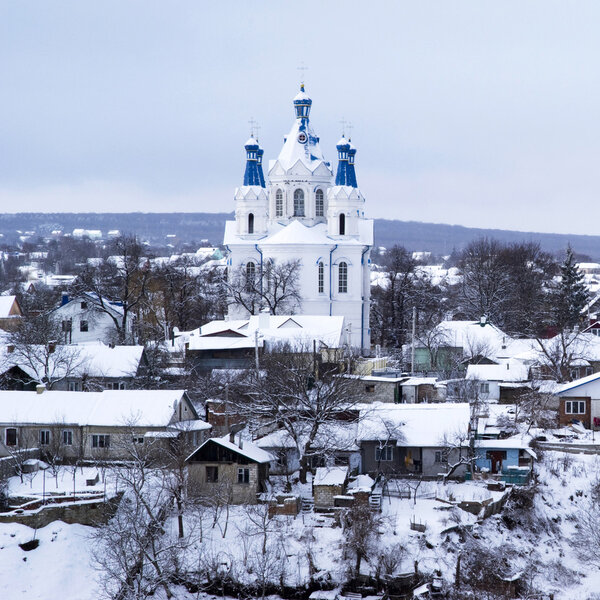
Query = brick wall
x=565 y=419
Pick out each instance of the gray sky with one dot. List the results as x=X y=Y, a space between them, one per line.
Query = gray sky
x=476 y=113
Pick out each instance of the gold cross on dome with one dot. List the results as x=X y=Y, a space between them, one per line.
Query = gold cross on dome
x=302 y=70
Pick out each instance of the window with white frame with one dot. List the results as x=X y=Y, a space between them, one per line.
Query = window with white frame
x=100 y=440
x=484 y=387
x=44 y=437
x=279 y=203
x=67 y=437
x=343 y=278
x=321 y=278
x=250 y=275
x=319 y=204
x=243 y=475
x=384 y=454
x=575 y=407
x=74 y=386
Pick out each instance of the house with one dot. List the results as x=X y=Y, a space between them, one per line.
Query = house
x=10 y=313
x=510 y=459
x=488 y=378
x=454 y=344
x=234 y=344
x=579 y=400
x=93 y=425
x=90 y=318
x=328 y=483
x=334 y=445
x=85 y=367
x=221 y=467
x=413 y=439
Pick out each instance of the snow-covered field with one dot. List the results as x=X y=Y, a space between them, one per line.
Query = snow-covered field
x=542 y=543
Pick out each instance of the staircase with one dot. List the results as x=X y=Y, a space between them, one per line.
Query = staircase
x=375 y=500
x=308 y=505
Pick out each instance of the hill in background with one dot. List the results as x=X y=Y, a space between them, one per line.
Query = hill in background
x=196 y=227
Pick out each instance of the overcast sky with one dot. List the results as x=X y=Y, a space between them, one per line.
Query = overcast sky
x=476 y=113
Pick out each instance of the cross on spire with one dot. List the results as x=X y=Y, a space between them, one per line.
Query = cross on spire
x=344 y=124
x=350 y=127
x=302 y=70
x=254 y=128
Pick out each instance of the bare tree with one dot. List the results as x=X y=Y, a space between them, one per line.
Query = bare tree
x=274 y=285
x=287 y=394
x=361 y=528
x=33 y=347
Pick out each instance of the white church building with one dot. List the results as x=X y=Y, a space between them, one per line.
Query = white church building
x=303 y=213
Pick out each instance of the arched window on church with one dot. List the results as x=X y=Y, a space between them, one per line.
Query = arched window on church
x=299 y=203
x=250 y=223
x=342 y=224
x=343 y=278
x=279 y=203
x=250 y=275
x=319 y=204
x=321 y=278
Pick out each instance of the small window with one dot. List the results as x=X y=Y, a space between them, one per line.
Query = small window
x=342 y=224
x=138 y=439
x=212 y=474
x=319 y=204
x=575 y=407
x=11 y=436
x=250 y=223
x=279 y=203
x=484 y=388
x=122 y=385
x=74 y=386
x=100 y=440
x=66 y=325
x=299 y=203
x=67 y=436
x=44 y=437
x=83 y=325
x=341 y=461
x=84 y=306
x=321 y=278
x=250 y=276
x=243 y=476
x=343 y=278
x=441 y=456
x=370 y=389
x=384 y=454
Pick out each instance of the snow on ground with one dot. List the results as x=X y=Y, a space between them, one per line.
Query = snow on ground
x=58 y=568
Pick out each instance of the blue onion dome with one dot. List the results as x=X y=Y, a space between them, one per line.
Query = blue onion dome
x=253 y=174
x=302 y=104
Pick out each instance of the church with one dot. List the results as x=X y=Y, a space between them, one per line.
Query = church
x=302 y=214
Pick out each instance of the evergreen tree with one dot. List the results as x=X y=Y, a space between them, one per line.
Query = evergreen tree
x=571 y=295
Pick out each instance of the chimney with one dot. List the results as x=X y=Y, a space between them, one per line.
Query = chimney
x=40 y=388
x=232 y=437
x=64 y=299
x=264 y=318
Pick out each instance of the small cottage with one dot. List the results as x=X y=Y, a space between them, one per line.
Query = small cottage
x=328 y=483
x=235 y=470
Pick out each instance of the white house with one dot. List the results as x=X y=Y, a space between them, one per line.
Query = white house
x=84 y=319
x=302 y=213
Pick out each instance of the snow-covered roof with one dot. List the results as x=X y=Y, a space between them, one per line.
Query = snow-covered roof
x=142 y=408
x=248 y=449
x=299 y=330
x=330 y=476
x=509 y=371
x=515 y=442
x=94 y=359
x=419 y=381
x=6 y=305
x=578 y=383
x=413 y=425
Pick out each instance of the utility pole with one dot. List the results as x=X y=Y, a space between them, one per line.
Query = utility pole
x=256 y=351
x=412 y=349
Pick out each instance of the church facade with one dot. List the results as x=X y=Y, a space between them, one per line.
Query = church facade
x=302 y=213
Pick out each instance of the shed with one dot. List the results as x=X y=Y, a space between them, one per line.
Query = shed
x=328 y=482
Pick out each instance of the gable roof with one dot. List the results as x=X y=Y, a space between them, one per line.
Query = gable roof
x=578 y=383
x=248 y=450
x=9 y=307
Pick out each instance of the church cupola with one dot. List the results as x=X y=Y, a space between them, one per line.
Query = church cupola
x=253 y=174
x=302 y=104
x=346 y=174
